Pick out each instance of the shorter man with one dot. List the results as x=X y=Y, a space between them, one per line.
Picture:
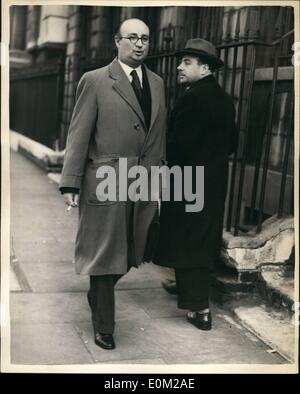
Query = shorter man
x=202 y=132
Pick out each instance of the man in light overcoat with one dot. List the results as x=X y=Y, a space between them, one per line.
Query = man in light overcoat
x=119 y=113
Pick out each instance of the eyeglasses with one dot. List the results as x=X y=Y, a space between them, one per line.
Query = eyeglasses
x=134 y=39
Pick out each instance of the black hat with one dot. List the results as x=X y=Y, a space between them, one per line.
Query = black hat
x=202 y=48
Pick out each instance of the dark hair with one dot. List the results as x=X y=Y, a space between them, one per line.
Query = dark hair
x=202 y=60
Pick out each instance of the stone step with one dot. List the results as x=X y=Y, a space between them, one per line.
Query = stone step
x=227 y=287
x=277 y=288
x=229 y=284
x=276 y=329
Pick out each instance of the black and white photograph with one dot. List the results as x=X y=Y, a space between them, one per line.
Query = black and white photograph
x=150 y=196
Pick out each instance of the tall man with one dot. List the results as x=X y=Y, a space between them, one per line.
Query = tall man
x=119 y=113
x=202 y=132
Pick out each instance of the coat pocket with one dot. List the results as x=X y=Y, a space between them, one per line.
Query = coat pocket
x=101 y=182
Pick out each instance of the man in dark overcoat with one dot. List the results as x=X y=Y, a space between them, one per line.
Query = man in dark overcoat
x=119 y=114
x=202 y=132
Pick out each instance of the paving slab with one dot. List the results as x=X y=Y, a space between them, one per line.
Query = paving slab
x=146 y=276
x=30 y=183
x=26 y=232
x=60 y=208
x=59 y=228
x=13 y=281
x=61 y=277
x=138 y=361
x=156 y=302
x=66 y=308
x=236 y=355
x=274 y=328
x=29 y=251
x=46 y=344
x=29 y=308
x=178 y=337
x=64 y=233
x=22 y=206
x=135 y=339
x=24 y=166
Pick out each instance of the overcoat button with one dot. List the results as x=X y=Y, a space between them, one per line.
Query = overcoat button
x=136 y=126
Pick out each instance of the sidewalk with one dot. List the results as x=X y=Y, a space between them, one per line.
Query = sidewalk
x=49 y=311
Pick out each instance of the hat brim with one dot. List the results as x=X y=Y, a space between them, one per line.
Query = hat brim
x=212 y=60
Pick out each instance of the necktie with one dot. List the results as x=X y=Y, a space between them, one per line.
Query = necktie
x=136 y=85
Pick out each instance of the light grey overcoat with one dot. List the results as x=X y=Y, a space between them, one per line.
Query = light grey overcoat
x=108 y=124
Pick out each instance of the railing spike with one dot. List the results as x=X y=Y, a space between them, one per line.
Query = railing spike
x=278 y=24
x=238 y=26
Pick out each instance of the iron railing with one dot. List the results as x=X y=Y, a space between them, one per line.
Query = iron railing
x=261 y=165
x=238 y=78
x=36 y=102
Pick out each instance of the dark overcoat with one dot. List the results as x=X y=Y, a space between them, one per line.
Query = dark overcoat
x=107 y=125
x=202 y=132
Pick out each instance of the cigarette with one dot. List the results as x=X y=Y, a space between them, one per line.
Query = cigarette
x=69 y=208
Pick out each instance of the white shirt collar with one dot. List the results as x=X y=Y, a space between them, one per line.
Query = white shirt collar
x=127 y=69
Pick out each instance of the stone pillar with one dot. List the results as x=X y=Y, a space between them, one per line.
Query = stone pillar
x=33 y=26
x=71 y=69
x=17 y=54
x=53 y=28
x=47 y=32
x=18 y=27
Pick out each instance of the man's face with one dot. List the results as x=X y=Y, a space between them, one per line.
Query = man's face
x=131 y=53
x=190 y=70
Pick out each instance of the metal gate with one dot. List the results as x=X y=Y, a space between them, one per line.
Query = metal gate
x=36 y=102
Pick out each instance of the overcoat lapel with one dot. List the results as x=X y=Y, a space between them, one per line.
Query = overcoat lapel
x=123 y=87
x=155 y=98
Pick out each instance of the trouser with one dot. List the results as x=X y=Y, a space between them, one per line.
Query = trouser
x=101 y=297
x=193 y=286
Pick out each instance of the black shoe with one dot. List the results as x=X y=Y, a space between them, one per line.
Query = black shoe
x=170 y=287
x=106 y=341
x=200 y=320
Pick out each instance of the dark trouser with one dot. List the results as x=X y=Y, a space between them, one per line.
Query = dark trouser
x=193 y=288
x=101 y=297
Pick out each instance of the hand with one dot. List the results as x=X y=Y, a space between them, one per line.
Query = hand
x=71 y=199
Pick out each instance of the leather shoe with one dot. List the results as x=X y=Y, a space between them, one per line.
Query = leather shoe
x=200 y=320
x=106 y=341
x=170 y=287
